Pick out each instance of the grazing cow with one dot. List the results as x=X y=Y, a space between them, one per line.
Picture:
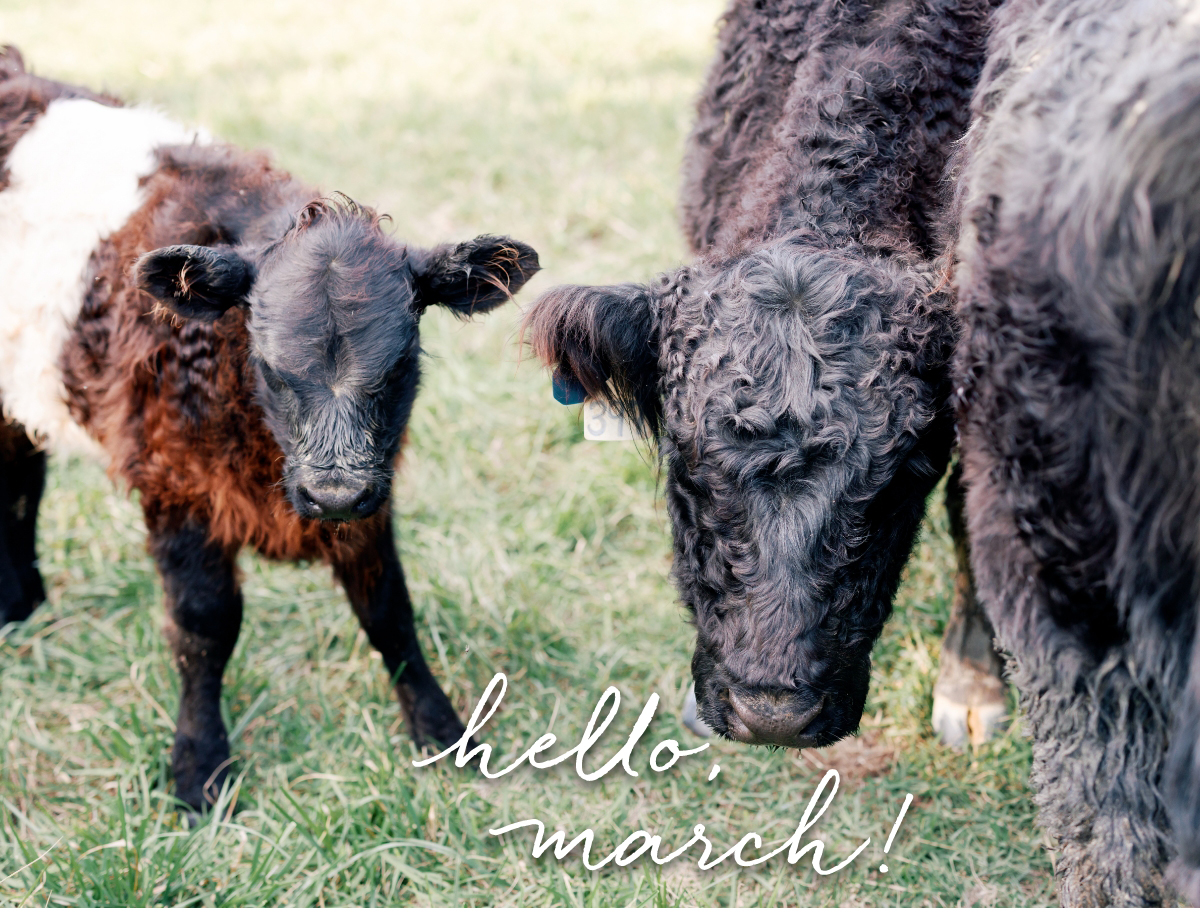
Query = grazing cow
x=243 y=351
x=1078 y=388
x=797 y=375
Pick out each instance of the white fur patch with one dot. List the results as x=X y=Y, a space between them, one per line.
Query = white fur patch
x=1191 y=13
x=73 y=180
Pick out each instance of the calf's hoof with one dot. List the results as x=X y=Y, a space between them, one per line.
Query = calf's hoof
x=17 y=604
x=14 y=613
x=691 y=715
x=444 y=734
x=974 y=716
x=200 y=774
x=969 y=696
x=431 y=719
x=196 y=803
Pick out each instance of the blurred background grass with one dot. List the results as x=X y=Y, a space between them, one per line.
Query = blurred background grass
x=527 y=549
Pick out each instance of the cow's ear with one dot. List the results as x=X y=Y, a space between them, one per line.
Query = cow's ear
x=475 y=276
x=195 y=282
x=603 y=340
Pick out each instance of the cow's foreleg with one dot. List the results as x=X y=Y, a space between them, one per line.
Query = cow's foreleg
x=1181 y=783
x=1098 y=716
x=22 y=478
x=204 y=613
x=968 y=698
x=374 y=582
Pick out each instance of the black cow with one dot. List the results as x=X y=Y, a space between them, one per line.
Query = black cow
x=1078 y=381
x=797 y=375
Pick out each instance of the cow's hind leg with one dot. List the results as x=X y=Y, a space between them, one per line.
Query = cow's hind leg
x=968 y=698
x=374 y=582
x=204 y=613
x=22 y=478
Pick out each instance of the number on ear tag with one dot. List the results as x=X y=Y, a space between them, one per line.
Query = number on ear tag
x=603 y=424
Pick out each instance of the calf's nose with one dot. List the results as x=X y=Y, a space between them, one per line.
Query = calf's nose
x=337 y=501
x=773 y=719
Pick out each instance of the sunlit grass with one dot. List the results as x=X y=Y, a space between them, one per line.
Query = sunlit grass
x=527 y=549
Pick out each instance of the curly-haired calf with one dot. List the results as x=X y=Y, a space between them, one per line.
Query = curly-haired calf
x=798 y=373
x=244 y=352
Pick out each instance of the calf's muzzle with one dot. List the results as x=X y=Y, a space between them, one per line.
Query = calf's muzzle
x=336 y=499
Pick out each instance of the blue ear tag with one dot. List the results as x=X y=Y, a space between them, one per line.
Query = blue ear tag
x=567 y=390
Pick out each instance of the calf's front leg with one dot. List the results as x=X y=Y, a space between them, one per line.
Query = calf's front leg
x=968 y=698
x=204 y=613
x=22 y=478
x=374 y=582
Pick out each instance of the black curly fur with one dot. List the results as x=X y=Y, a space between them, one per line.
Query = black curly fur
x=798 y=373
x=1079 y=410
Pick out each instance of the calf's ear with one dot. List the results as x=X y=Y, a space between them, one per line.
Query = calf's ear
x=474 y=276
x=603 y=339
x=195 y=282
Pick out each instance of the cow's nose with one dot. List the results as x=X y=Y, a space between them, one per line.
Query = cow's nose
x=771 y=718
x=337 y=501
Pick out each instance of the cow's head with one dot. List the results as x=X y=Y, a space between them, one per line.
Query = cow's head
x=334 y=306
x=799 y=399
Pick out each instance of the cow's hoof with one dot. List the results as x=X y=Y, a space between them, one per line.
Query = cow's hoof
x=959 y=723
x=436 y=726
x=213 y=798
x=192 y=807
x=18 y=608
x=691 y=719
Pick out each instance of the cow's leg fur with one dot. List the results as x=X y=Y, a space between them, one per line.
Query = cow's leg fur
x=1100 y=734
x=22 y=478
x=1181 y=783
x=1098 y=721
x=204 y=613
x=374 y=582
x=968 y=698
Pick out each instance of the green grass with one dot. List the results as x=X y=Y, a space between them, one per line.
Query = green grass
x=527 y=549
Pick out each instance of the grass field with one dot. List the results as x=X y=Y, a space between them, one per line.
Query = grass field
x=527 y=549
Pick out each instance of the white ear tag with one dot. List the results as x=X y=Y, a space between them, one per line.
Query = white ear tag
x=603 y=424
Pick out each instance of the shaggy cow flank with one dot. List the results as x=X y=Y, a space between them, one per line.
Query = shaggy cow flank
x=1078 y=381
x=243 y=351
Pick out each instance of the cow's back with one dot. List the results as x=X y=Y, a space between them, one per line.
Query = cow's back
x=769 y=154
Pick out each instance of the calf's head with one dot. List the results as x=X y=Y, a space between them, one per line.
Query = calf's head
x=798 y=395
x=333 y=311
